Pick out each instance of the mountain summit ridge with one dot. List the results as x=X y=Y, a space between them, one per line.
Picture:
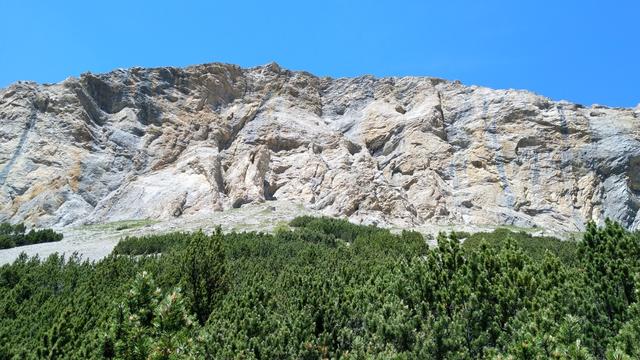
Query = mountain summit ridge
x=169 y=142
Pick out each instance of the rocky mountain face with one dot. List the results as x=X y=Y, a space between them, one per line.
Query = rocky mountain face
x=169 y=142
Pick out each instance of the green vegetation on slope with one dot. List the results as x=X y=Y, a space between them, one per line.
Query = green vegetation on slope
x=534 y=246
x=119 y=225
x=150 y=244
x=14 y=235
x=330 y=289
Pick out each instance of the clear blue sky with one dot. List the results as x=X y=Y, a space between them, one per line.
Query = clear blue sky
x=583 y=51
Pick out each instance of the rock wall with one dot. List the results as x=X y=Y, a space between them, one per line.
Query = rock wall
x=169 y=142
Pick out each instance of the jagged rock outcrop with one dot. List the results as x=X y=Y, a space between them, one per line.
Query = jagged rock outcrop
x=169 y=142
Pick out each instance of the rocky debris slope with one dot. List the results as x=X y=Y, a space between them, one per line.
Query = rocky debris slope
x=168 y=142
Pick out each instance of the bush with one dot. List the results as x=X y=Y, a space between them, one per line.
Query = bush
x=6 y=242
x=203 y=272
x=150 y=244
x=534 y=246
x=295 y=295
x=339 y=228
x=14 y=235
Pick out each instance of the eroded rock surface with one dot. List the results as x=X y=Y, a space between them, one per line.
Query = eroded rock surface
x=168 y=142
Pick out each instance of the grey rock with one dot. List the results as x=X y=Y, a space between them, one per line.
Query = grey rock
x=166 y=143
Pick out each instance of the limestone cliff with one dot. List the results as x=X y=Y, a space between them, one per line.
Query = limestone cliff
x=170 y=142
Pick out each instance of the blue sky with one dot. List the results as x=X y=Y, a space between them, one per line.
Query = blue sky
x=583 y=51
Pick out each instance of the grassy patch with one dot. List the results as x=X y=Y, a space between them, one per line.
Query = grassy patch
x=120 y=225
